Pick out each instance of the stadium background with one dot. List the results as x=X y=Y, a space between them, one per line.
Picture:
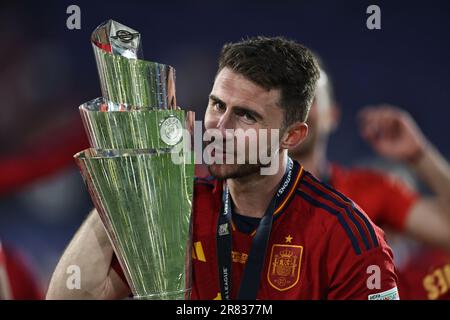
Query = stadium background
x=48 y=70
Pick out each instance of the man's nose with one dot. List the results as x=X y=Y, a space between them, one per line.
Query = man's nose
x=226 y=123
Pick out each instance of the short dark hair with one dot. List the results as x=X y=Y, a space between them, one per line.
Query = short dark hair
x=276 y=63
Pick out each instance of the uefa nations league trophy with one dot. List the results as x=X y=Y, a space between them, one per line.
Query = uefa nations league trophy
x=144 y=198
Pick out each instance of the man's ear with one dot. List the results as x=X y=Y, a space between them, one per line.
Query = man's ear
x=294 y=135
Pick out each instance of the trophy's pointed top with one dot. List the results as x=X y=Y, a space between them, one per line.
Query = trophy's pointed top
x=126 y=79
x=118 y=39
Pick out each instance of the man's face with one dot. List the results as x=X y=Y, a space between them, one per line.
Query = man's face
x=238 y=103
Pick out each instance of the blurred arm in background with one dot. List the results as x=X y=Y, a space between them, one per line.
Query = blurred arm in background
x=393 y=134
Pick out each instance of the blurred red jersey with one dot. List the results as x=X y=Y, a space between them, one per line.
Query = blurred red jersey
x=322 y=246
x=384 y=198
x=426 y=276
x=16 y=281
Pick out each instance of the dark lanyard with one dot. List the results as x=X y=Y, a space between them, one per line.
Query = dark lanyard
x=253 y=268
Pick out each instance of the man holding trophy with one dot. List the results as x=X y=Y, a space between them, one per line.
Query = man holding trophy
x=254 y=236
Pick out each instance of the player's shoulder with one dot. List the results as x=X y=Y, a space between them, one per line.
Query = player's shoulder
x=358 y=175
x=207 y=200
x=206 y=186
x=209 y=181
x=373 y=180
x=346 y=222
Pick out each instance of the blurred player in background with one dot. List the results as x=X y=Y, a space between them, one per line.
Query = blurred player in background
x=393 y=135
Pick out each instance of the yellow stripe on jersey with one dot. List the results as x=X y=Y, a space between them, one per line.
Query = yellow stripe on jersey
x=199 y=251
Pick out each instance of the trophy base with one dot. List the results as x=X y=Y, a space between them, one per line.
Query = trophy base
x=175 y=295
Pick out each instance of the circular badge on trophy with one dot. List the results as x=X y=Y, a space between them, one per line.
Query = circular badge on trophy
x=171 y=130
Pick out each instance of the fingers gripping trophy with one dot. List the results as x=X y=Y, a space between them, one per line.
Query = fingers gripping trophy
x=143 y=197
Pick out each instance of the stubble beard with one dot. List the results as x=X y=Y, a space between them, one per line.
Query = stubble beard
x=233 y=171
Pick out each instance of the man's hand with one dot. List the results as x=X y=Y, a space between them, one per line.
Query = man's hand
x=392 y=133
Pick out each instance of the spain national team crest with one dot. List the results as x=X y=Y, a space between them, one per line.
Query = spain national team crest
x=284 y=269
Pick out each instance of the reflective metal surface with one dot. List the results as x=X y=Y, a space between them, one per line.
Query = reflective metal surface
x=138 y=129
x=144 y=201
x=143 y=197
x=126 y=80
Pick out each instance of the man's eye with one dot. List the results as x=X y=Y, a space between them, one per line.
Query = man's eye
x=218 y=106
x=249 y=117
x=246 y=116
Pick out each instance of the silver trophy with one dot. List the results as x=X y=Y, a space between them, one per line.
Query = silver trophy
x=143 y=196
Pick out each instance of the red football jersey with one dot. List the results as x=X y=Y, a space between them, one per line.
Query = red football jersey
x=322 y=246
x=384 y=198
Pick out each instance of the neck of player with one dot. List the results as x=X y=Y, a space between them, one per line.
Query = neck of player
x=315 y=161
x=252 y=194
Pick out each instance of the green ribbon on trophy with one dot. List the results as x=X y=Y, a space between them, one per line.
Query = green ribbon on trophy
x=144 y=198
